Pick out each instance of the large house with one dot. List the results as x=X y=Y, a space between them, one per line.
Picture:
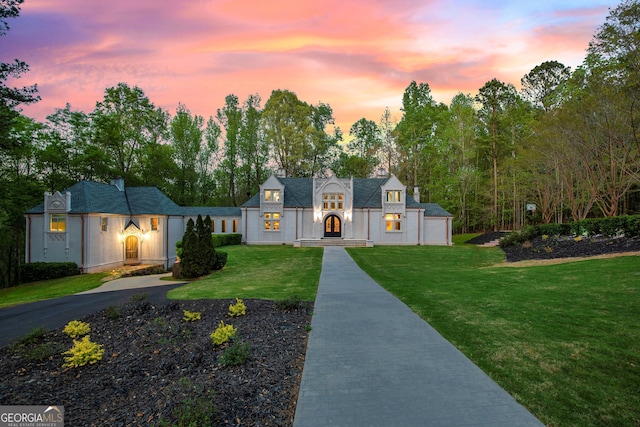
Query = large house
x=104 y=226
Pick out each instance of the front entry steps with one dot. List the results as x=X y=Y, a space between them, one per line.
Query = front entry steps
x=332 y=241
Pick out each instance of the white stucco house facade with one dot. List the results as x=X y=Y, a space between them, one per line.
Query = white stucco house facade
x=378 y=211
x=103 y=226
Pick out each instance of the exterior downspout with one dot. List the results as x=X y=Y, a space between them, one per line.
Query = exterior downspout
x=29 y=238
x=368 y=223
x=419 y=224
x=296 y=223
x=82 y=240
x=166 y=242
x=244 y=231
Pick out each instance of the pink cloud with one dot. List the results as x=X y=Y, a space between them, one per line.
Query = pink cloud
x=356 y=56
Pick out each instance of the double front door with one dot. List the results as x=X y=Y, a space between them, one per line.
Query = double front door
x=332 y=226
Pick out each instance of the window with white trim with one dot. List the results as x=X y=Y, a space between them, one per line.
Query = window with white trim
x=58 y=222
x=223 y=224
x=394 y=196
x=393 y=222
x=271 y=195
x=154 y=224
x=104 y=223
x=213 y=225
x=235 y=226
x=271 y=221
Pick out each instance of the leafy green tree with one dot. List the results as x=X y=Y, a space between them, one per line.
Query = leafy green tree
x=389 y=136
x=186 y=139
x=11 y=97
x=230 y=120
x=125 y=123
x=494 y=98
x=423 y=158
x=363 y=151
x=542 y=86
x=463 y=177
x=297 y=136
x=253 y=150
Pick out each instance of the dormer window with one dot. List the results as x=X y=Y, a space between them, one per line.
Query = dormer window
x=58 y=222
x=394 y=196
x=271 y=195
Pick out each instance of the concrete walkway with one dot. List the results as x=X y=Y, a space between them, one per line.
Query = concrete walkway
x=372 y=362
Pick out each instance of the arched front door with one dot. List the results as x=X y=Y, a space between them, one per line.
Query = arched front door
x=131 y=250
x=332 y=226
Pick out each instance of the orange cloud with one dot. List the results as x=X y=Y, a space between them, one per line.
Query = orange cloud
x=358 y=56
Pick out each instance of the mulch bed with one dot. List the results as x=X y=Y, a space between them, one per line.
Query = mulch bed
x=156 y=366
x=569 y=247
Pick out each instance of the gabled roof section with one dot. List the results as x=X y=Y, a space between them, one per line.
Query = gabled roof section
x=367 y=192
x=149 y=201
x=298 y=192
x=95 y=197
x=434 y=209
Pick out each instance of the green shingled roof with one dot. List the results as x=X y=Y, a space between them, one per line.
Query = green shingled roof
x=434 y=209
x=367 y=193
x=95 y=197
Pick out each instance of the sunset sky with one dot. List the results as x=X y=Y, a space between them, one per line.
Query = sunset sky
x=358 y=56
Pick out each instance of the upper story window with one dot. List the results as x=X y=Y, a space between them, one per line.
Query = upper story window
x=394 y=196
x=154 y=224
x=104 y=223
x=58 y=222
x=333 y=201
x=271 y=195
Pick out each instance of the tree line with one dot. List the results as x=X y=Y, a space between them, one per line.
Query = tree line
x=567 y=141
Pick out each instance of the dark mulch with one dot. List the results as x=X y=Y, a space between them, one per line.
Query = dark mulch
x=570 y=247
x=156 y=365
x=487 y=237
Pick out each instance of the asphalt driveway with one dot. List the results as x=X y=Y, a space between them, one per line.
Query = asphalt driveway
x=17 y=321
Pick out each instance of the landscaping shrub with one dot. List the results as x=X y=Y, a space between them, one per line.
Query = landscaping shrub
x=76 y=329
x=223 y=333
x=36 y=271
x=191 y=316
x=221 y=260
x=517 y=237
x=226 y=239
x=82 y=353
x=553 y=229
x=237 y=309
x=236 y=354
x=629 y=225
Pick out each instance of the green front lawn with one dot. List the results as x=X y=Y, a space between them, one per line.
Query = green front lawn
x=261 y=272
x=562 y=339
x=47 y=289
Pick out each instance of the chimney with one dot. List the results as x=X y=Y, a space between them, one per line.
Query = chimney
x=118 y=182
x=282 y=173
x=382 y=173
x=416 y=194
